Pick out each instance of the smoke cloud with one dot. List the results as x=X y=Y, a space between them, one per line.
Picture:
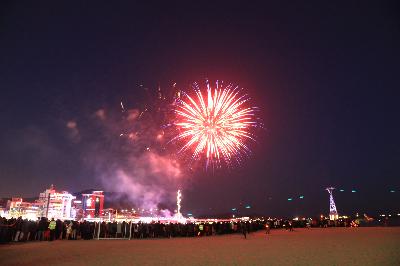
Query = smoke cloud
x=129 y=155
x=100 y=114
x=149 y=180
x=73 y=131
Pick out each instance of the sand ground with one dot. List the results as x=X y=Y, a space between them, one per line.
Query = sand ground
x=329 y=246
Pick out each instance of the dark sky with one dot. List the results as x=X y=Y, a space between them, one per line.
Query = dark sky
x=325 y=76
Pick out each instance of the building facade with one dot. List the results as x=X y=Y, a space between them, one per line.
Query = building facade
x=57 y=205
x=93 y=204
x=17 y=207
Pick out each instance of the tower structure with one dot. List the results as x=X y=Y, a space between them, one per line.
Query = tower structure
x=333 y=214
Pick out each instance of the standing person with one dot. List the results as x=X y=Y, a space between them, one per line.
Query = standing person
x=32 y=230
x=41 y=228
x=201 y=227
x=59 y=229
x=136 y=231
x=64 y=231
x=308 y=224
x=18 y=228
x=244 y=230
x=290 y=226
x=69 y=231
x=52 y=228
x=25 y=230
x=74 y=228
x=267 y=228
x=119 y=230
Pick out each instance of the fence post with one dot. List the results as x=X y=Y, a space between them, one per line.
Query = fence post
x=98 y=231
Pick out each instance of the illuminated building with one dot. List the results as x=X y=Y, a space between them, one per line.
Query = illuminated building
x=93 y=204
x=77 y=211
x=57 y=205
x=27 y=210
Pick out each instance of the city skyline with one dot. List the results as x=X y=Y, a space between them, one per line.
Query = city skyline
x=119 y=201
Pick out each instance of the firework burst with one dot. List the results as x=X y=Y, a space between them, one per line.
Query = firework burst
x=215 y=124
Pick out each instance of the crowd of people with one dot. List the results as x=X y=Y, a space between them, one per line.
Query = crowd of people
x=20 y=230
x=169 y=230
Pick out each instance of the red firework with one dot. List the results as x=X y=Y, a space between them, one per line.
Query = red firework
x=215 y=123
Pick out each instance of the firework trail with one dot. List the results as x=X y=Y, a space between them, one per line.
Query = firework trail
x=178 y=203
x=215 y=124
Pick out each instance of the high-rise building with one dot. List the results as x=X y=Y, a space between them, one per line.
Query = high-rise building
x=57 y=205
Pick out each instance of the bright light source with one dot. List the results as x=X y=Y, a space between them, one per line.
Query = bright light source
x=341 y=190
x=248 y=207
x=353 y=191
x=289 y=199
x=301 y=197
x=233 y=209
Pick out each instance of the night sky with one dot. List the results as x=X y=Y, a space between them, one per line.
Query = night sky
x=325 y=76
